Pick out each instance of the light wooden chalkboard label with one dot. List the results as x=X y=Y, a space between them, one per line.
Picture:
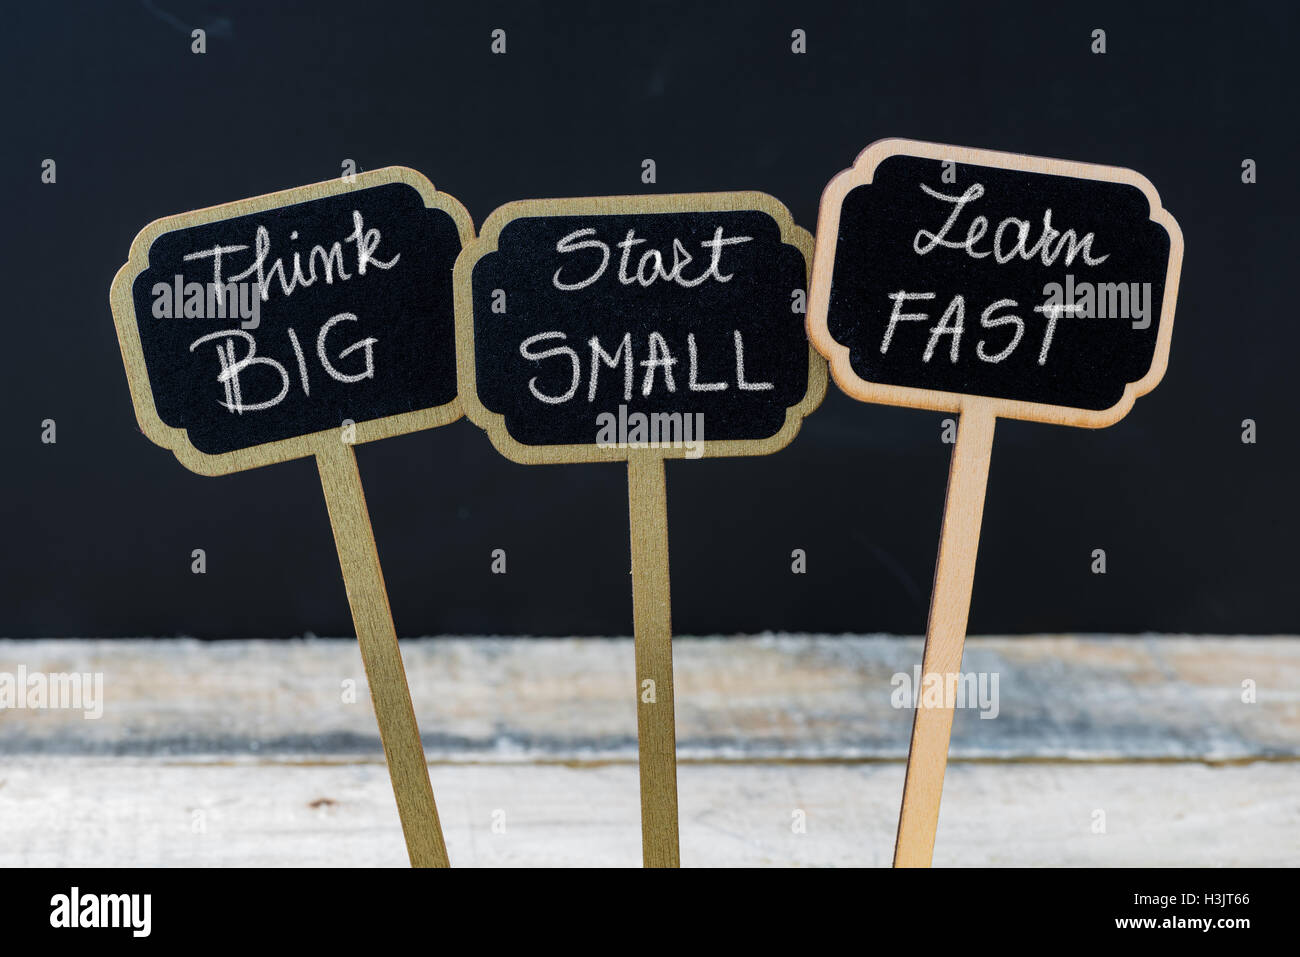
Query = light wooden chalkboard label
x=639 y=328
x=1039 y=289
x=987 y=284
x=296 y=324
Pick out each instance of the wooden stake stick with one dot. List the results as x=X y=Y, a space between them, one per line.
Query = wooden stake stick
x=945 y=634
x=373 y=620
x=652 y=617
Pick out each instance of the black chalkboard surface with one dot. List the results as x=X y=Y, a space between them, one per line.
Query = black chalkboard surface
x=1041 y=283
x=302 y=312
x=579 y=319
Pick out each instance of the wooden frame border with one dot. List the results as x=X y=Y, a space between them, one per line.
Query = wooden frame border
x=828 y=225
x=494 y=422
x=283 y=450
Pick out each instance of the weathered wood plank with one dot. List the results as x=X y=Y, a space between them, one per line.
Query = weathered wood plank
x=94 y=811
x=767 y=697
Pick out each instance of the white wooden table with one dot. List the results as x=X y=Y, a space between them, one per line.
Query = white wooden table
x=266 y=753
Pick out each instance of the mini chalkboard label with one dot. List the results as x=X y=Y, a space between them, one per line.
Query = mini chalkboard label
x=945 y=273
x=254 y=331
x=639 y=328
x=591 y=328
x=302 y=323
x=988 y=284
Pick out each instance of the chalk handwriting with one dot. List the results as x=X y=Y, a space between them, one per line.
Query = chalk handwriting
x=1051 y=243
x=323 y=262
x=650 y=266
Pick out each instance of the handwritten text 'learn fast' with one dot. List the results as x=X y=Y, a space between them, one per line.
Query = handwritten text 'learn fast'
x=1011 y=241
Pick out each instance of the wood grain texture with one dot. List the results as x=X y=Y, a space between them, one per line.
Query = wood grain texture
x=792 y=698
x=377 y=638
x=267 y=812
x=954 y=574
x=244 y=753
x=652 y=617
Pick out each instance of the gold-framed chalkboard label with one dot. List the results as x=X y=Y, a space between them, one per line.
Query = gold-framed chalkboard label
x=378 y=248
x=535 y=271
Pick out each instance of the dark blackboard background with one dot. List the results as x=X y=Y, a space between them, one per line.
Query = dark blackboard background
x=1199 y=529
